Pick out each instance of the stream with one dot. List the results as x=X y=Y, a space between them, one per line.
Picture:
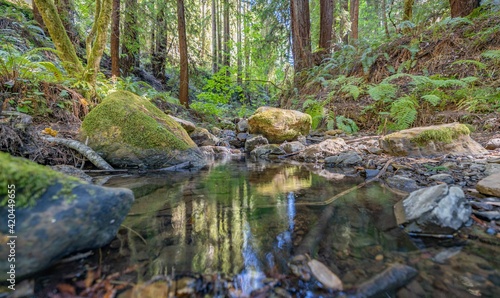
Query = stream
x=244 y=221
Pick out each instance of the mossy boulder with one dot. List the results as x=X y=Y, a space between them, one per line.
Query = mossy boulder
x=279 y=125
x=129 y=131
x=453 y=138
x=55 y=215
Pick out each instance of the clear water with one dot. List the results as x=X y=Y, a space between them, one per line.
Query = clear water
x=246 y=220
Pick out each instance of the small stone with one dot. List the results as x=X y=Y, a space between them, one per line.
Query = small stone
x=493 y=144
x=402 y=183
x=379 y=257
x=446 y=178
x=490 y=185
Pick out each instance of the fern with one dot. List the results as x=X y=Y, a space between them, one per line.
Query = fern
x=432 y=99
x=346 y=124
x=453 y=22
x=492 y=54
x=353 y=90
x=476 y=63
x=314 y=109
x=383 y=92
x=404 y=111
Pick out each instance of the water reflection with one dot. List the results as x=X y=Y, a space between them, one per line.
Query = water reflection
x=245 y=220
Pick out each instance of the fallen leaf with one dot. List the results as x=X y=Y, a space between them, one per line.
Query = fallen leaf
x=50 y=131
x=324 y=275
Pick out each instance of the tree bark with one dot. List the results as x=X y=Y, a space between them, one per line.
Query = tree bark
x=130 y=38
x=184 y=76
x=97 y=42
x=38 y=17
x=227 y=52
x=159 y=46
x=66 y=50
x=301 y=35
x=343 y=21
x=354 y=9
x=408 y=10
x=66 y=10
x=326 y=24
x=239 y=55
x=215 y=66
x=462 y=8
x=384 y=18
x=115 y=39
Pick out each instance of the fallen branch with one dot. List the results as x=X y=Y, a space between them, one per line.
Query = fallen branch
x=86 y=151
x=173 y=168
x=392 y=278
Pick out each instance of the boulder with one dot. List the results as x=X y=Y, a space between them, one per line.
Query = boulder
x=446 y=178
x=344 y=159
x=267 y=152
x=279 y=125
x=431 y=140
x=292 y=147
x=402 y=183
x=216 y=152
x=187 y=125
x=72 y=171
x=493 y=144
x=434 y=208
x=255 y=142
x=202 y=137
x=129 y=131
x=490 y=185
x=318 y=152
x=242 y=125
x=56 y=215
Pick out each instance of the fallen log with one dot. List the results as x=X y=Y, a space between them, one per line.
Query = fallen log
x=392 y=278
x=84 y=150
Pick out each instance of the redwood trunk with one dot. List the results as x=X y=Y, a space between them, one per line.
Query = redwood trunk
x=326 y=24
x=184 y=76
x=354 y=19
x=227 y=53
x=462 y=8
x=215 y=66
x=130 y=38
x=115 y=39
x=301 y=36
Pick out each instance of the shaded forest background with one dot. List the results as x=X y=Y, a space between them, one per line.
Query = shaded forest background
x=376 y=64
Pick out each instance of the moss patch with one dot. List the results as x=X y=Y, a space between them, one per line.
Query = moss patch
x=127 y=118
x=444 y=135
x=31 y=180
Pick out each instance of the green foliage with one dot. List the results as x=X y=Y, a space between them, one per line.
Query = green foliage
x=404 y=112
x=492 y=54
x=315 y=110
x=346 y=124
x=455 y=22
x=383 y=92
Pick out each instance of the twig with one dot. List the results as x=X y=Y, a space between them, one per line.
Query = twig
x=133 y=231
x=180 y=166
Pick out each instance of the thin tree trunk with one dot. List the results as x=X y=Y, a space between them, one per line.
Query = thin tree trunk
x=203 y=31
x=184 y=76
x=239 y=63
x=130 y=38
x=115 y=39
x=408 y=10
x=219 y=35
x=227 y=53
x=38 y=17
x=66 y=50
x=384 y=18
x=247 y=43
x=343 y=21
x=160 y=44
x=326 y=25
x=66 y=9
x=462 y=8
x=354 y=19
x=215 y=67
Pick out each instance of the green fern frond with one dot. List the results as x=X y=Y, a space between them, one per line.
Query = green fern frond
x=404 y=111
x=396 y=76
x=346 y=124
x=49 y=66
x=432 y=99
x=383 y=92
x=476 y=63
x=353 y=90
x=492 y=54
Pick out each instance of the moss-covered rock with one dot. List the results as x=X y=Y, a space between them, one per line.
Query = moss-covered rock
x=55 y=215
x=279 y=125
x=129 y=131
x=442 y=139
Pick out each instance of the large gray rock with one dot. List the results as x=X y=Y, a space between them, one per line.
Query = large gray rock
x=130 y=132
x=344 y=159
x=56 y=215
x=402 y=183
x=202 y=137
x=490 y=185
x=187 y=125
x=431 y=140
x=279 y=125
x=434 y=207
x=267 y=152
x=292 y=147
x=318 y=152
x=254 y=142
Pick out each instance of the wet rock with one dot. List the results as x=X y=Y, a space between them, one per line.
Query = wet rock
x=392 y=278
x=242 y=125
x=202 y=137
x=292 y=147
x=446 y=178
x=57 y=215
x=216 y=152
x=489 y=215
x=402 y=183
x=72 y=171
x=187 y=125
x=267 y=152
x=318 y=152
x=433 y=207
x=254 y=142
x=491 y=168
x=490 y=185
x=345 y=159
x=493 y=144
x=129 y=131
x=279 y=125
x=229 y=137
x=431 y=140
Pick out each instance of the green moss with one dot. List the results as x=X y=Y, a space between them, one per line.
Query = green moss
x=128 y=118
x=31 y=180
x=444 y=135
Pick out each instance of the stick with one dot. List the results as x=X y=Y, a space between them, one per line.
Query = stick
x=86 y=151
x=176 y=167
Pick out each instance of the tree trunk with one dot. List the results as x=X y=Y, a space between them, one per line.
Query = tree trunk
x=343 y=21
x=38 y=17
x=184 y=76
x=130 y=38
x=215 y=66
x=354 y=9
x=66 y=50
x=239 y=63
x=408 y=10
x=227 y=52
x=203 y=31
x=301 y=36
x=66 y=10
x=158 y=57
x=219 y=36
x=96 y=42
x=326 y=25
x=462 y=8
x=115 y=39
x=384 y=18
